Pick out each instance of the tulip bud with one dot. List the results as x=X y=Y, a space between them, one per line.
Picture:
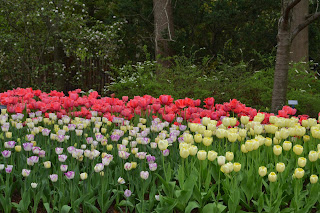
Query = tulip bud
x=212 y=155
x=34 y=185
x=277 y=150
x=243 y=148
x=298 y=149
x=202 y=155
x=313 y=179
x=244 y=119
x=313 y=156
x=302 y=162
x=236 y=167
x=249 y=145
x=47 y=164
x=17 y=148
x=272 y=177
x=134 y=165
x=232 y=137
x=262 y=171
x=184 y=152
x=298 y=173
x=306 y=138
x=280 y=167
x=193 y=150
x=207 y=133
x=207 y=141
x=221 y=160
x=121 y=180
x=163 y=144
x=83 y=176
x=268 y=142
x=109 y=147
x=287 y=145
x=198 y=138
x=229 y=156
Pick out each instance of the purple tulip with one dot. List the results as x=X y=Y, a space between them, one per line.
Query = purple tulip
x=69 y=175
x=127 y=193
x=6 y=153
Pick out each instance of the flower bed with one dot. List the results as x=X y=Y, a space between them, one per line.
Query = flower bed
x=89 y=153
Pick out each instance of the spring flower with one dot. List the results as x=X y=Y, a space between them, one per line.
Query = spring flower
x=134 y=165
x=244 y=119
x=207 y=141
x=107 y=159
x=166 y=152
x=123 y=154
x=277 y=150
x=193 y=150
x=163 y=144
x=33 y=160
x=98 y=167
x=83 y=176
x=62 y=158
x=1 y=167
x=202 y=155
x=227 y=168
x=153 y=145
x=287 y=145
x=9 y=144
x=280 y=167
x=298 y=149
x=58 y=150
x=36 y=150
x=121 y=180
x=262 y=171
x=313 y=156
x=25 y=172
x=17 y=148
x=69 y=175
x=47 y=164
x=236 y=167
x=221 y=160
x=184 y=152
x=127 y=193
x=144 y=175
x=298 y=173
x=197 y=138
x=53 y=177
x=64 y=168
x=272 y=177
x=9 y=168
x=34 y=185
x=302 y=161
x=313 y=179
x=6 y=153
x=268 y=141
x=212 y=155
x=229 y=156
x=243 y=148
x=151 y=158
x=127 y=166
x=153 y=166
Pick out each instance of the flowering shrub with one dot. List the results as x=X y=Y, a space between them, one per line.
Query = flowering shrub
x=153 y=154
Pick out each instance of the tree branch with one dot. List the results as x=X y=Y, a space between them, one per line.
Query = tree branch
x=303 y=25
x=290 y=6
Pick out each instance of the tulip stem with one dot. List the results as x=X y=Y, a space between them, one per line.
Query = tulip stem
x=200 y=175
x=164 y=168
x=270 y=203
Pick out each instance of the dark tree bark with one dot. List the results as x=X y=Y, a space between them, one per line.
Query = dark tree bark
x=286 y=34
x=300 y=44
x=163 y=30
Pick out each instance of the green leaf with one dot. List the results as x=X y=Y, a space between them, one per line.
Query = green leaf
x=126 y=203
x=65 y=209
x=213 y=207
x=191 y=205
x=92 y=207
x=47 y=207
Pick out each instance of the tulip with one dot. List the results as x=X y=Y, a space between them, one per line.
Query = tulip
x=83 y=176
x=127 y=193
x=212 y=155
x=6 y=153
x=244 y=119
x=109 y=147
x=198 y=138
x=207 y=133
x=272 y=177
x=121 y=180
x=236 y=167
x=280 y=167
x=313 y=156
x=9 y=168
x=243 y=148
x=221 y=160
x=144 y=175
x=1 y=167
x=277 y=150
x=202 y=155
x=163 y=144
x=229 y=156
x=232 y=137
x=134 y=165
x=249 y=145
x=47 y=164
x=227 y=168
x=69 y=175
x=313 y=179
x=306 y=138
x=64 y=168
x=193 y=150
x=284 y=133
x=302 y=161
x=153 y=166
x=184 y=152
x=287 y=145
x=207 y=141
x=262 y=171
x=98 y=167
x=34 y=185
x=298 y=173
x=25 y=172
x=17 y=148
x=127 y=166
x=298 y=149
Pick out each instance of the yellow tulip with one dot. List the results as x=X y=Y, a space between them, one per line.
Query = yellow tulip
x=302 y=162
x=236 y=167
x=298 y=149
x=268 y=142
x=202 y=155
x=193 y=150
x=207 y=141
x=184 y=153
x=298 y=173
x=163 y=145
x=207 y=133
x=212 y=155
x=205 y=121
x=17 y=148
x=277 y=150
x=272 y=177
x=287 y=145
x=198 y=138
x=313 y=156
x=262 y=171
x=243 y=148
x=229 y=156
x=244 y=119
x=280 y=167
x=313 y=179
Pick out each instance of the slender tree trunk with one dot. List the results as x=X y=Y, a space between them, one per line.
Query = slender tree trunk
x=300 y=44
x=163 y=30
x=281 y=70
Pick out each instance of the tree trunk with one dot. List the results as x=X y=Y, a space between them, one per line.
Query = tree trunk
x=163 y=30
x=300 y=44
x=281 y=70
